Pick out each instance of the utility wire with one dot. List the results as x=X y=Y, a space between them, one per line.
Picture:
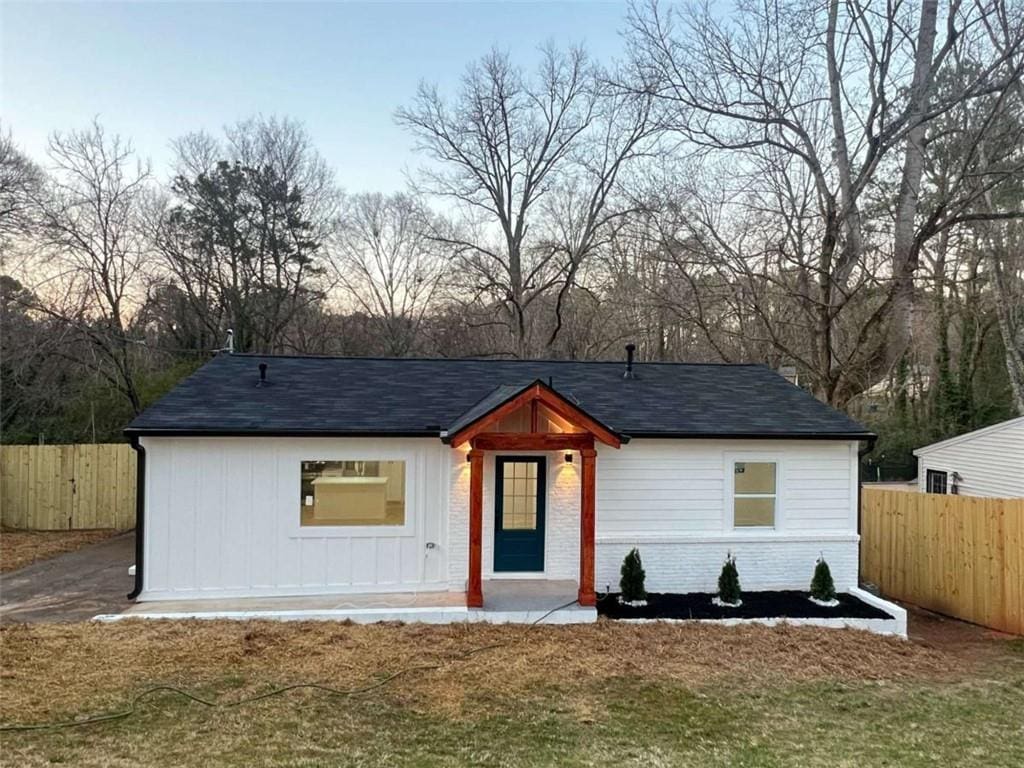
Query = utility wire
x=132 y=708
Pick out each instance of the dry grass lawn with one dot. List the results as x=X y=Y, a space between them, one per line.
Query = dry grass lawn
x=605 y=694
x=21 y=548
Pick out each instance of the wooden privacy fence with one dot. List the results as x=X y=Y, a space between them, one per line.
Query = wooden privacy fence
x=958 y=555
x=63 y=487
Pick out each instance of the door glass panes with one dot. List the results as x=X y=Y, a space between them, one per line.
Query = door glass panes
x=519 y=496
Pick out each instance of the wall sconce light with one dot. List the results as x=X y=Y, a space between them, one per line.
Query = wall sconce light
x=467 y=458
x=568 y=458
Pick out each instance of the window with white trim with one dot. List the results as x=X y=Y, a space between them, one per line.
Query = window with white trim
x=352 y=493
x=755 y=494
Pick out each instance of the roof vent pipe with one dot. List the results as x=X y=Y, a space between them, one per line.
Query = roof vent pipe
x=630 y=349
x=263 y=375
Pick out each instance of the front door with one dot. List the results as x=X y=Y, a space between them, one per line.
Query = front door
x=519 y=495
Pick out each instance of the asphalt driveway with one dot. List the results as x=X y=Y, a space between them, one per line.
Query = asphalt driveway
x=71 y=587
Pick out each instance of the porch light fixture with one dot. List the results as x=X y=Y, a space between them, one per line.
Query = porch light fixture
x=568 y=458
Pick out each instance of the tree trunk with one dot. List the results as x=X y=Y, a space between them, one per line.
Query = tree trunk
x=905 y=250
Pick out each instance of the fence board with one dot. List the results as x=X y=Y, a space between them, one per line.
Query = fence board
x=959 y=555
x=62 y=487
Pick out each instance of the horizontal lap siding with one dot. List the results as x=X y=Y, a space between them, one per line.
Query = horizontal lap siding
x=657 y=487
x=991 y=464
x=817 y=488
x=222 y=518
x=680 y=487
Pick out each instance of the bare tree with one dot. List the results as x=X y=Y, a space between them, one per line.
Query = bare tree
x=20 y=180
x=506 y=143
x=390 y=266
x=92 y=251
x=816 y=107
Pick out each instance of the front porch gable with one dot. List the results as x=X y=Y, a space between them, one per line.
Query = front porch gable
x=567 y=427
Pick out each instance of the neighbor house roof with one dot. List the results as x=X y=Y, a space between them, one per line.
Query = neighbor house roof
x=431 y=397
x=967 y=436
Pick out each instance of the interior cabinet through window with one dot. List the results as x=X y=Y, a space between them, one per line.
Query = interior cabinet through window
x=370 y=492
x=754 y=492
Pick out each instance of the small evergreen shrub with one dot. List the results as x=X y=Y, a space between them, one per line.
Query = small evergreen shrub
x=729 y=582
x=631 y=585
x=822 y=586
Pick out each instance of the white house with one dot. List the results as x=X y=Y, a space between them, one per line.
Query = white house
x=279 y=476
x=986 y=462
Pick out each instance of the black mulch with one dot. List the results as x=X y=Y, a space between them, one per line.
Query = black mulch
x=756 y=605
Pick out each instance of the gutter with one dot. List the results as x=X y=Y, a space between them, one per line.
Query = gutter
x=445 y=436
x=136 y=432
x=140 y=512
x=868 y=436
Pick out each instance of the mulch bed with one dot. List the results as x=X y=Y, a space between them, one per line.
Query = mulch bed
x=756 y=605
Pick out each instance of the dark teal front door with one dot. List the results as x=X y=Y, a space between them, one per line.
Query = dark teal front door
x=519 y=495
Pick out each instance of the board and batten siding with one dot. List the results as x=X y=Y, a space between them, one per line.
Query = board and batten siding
x=989 y=461
x=222 y=520
x=672 y=499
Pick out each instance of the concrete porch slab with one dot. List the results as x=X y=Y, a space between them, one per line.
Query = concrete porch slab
x=513 y=601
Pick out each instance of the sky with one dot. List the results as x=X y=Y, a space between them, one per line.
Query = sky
x=155 y=71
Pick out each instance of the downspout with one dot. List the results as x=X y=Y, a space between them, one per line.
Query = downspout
x=140 y=512
x=865 y=449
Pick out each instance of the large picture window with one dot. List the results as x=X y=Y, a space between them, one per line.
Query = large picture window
x=369 y=492
x=754 y=492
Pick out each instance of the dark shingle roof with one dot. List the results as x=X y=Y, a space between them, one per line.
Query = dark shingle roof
x=323 y=395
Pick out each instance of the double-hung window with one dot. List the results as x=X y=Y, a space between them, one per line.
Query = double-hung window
x=755 y=496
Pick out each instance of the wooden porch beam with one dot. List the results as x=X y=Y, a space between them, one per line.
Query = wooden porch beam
x=540 y=441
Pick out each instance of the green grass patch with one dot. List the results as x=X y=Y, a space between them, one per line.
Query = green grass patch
x=610 y=721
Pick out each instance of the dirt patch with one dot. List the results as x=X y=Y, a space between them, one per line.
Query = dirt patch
x=21 y=548
x=52 y=669
x=968 y=641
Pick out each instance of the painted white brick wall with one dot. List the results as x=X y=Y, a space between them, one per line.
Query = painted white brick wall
x=693 y=566
x=458 y=521
x=562 y=523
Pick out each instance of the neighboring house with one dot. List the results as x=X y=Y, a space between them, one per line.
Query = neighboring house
x=986 y=462
x=282 y=476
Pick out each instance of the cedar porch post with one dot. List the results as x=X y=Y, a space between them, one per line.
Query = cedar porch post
x=474 y=590
x=587 y=502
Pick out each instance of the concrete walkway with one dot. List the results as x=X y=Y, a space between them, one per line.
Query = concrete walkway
x=71 y=587
x=518 y=601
